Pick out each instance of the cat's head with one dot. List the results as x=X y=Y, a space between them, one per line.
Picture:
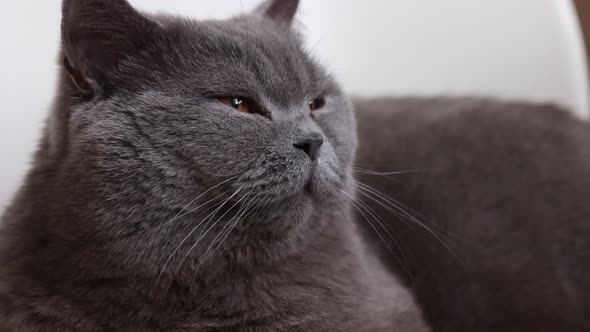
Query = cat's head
x=171 y=112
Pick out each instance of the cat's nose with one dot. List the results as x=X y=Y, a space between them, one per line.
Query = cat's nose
x=311 y=145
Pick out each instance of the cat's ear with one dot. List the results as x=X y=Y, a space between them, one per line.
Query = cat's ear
x=97 y=35
x=280 y=11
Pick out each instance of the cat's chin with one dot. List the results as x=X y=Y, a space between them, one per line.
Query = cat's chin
x=311 y=184
x=318 y=187
x=324 y=183
x=303 y=196
x=306 y=195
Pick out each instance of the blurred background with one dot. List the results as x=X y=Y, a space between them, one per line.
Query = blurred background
x=511 y=49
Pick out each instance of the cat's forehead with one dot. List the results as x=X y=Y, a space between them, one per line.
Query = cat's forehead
x=249 y=42
x=245 y=52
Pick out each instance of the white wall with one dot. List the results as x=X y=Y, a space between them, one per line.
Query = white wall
x=527 y=49
x=510 y=48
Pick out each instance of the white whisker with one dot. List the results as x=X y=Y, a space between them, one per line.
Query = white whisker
x=394 y=207
x=233 y=223
x=372 y=172
x=210 y=216
x=180 y=213
x=213 y=225
x=357 y=204
x=228 y=224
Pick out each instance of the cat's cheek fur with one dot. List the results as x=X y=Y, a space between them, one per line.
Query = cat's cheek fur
x=339 y=125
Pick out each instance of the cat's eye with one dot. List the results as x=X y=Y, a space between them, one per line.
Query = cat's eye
x=317 y=104
x=240 y=104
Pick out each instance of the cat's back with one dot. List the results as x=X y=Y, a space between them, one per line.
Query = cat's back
x=468 y=118
x=540 y=143
x=505 y=186
x=478 y=139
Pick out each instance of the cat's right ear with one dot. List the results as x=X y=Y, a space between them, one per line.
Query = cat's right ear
x=96 y=36
x=280 y=11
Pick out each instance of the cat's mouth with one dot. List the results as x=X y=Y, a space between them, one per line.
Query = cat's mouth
x=300 y=179
x=319 y=182
x=308 y=188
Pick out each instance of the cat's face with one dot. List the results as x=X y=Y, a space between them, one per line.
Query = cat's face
x=175 y=109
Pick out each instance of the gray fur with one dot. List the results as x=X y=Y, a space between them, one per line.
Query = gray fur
x=104 y=234
x=506 y=186
x=283 y=12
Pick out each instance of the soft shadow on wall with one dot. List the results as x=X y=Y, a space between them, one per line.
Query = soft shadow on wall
x=526 y=49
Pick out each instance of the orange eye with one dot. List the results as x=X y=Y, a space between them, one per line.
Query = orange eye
x=240 y=104
x=317 y=104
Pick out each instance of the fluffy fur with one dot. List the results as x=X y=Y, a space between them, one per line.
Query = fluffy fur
x=153 y=206
x=503 y=188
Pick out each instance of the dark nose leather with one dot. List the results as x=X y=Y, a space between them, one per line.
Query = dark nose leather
x=311 y=145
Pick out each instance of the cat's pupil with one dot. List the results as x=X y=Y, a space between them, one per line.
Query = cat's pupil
x=236 y=102
x=317 y=104
x=240 y=104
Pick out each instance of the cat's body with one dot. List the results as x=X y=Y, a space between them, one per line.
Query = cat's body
x=506 y=187
x=192 y=176
x=198 y=176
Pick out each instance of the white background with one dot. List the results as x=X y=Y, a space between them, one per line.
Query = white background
x=529 y=49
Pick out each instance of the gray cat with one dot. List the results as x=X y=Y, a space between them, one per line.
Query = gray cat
x=504 y=189
x=192 y=176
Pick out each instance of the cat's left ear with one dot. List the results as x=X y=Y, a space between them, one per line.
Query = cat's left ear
x=99 y=35
x=280 y=11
